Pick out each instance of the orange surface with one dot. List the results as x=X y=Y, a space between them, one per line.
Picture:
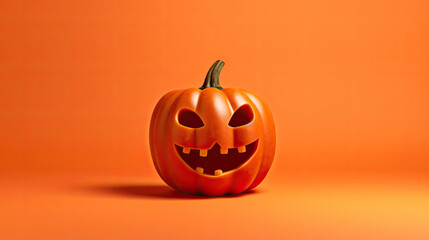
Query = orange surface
x=347 y=82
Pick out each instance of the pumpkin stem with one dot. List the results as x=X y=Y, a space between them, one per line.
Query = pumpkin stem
x=212 y=78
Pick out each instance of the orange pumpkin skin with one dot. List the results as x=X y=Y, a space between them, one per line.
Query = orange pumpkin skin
x=215 y=108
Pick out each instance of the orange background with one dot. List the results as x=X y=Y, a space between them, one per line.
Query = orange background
x=347 y=82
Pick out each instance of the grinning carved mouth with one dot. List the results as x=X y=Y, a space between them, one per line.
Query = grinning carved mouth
x=216 y=161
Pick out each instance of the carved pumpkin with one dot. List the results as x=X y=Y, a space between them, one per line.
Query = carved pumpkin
x=212 y=141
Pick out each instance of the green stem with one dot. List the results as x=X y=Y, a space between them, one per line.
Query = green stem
x=212 y=78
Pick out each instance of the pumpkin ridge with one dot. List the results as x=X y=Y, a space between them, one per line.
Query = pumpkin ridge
x=261 y=175
x=157 y=133
x=260 y=149
x=164 y=128
x=171 y=111
x=152 y=130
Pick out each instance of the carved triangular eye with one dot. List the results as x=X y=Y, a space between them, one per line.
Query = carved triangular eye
x=190 y=119
x=241 y=116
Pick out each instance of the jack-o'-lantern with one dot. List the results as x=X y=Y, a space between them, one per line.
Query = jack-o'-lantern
x=212 y=141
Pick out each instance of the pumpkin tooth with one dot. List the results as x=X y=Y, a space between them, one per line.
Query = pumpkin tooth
x=242 y=149
x=199 y=169
x=223 y=150
x=186 y=150
x=203 y=152
x=218 y=172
